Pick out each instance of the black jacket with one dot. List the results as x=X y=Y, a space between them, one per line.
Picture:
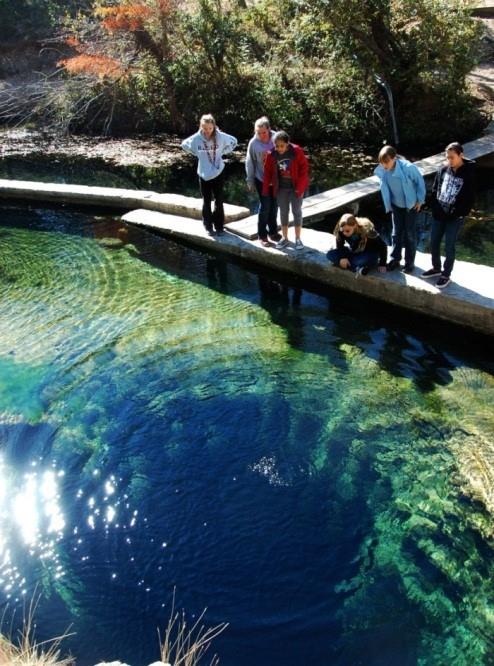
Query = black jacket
x=453 y=192
x=373 y=243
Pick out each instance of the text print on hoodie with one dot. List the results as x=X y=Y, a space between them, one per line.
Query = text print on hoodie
x=454 y=191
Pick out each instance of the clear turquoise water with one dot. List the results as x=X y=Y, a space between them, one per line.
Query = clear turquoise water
x=315 y=474
x=330 y=167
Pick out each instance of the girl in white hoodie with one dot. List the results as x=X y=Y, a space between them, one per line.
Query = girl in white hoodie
x=209 y=145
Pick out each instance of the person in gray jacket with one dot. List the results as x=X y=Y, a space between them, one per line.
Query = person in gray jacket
x=258 y=149
x=209 y=145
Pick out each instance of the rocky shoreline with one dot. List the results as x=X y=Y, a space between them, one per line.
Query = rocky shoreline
x=158 y=151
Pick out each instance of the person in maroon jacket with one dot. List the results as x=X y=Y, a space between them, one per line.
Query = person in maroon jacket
x=287 y=171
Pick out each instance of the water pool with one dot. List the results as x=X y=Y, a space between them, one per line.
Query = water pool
x=318 y=478
x=330 y=167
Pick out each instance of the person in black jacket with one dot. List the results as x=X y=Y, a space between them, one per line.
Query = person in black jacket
x=453 y=196
x=358 y=245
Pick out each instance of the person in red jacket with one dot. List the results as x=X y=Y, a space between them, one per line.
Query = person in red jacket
x=287 y=171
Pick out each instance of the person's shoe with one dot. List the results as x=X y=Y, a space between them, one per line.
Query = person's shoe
x=299 y=245
x=443 y=282
x=220 y=232
x=282 y=243
x=362 y=270
x=408 y=269
x=275 y=237
x=432 y=272
x=392 y=265
x=264 y=242
x=211 y=232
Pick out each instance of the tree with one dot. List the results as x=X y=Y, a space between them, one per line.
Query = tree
x=422 y=48
x=313 y=66
x=115 y=44
x=33 y=19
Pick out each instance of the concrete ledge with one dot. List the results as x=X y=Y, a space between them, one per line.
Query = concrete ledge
x=468 y=301
x=482 y=8
x=175 y=204
x=348 y=196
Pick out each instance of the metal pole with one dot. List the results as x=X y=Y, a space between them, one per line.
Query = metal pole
x=382 y=82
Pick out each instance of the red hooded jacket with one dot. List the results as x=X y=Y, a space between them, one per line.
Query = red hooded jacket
x=299 y=171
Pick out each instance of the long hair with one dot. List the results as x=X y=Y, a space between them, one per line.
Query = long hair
x=363 y=228
x=209 y=119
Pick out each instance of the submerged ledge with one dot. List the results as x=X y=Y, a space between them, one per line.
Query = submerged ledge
x=468 y=301
x=176 y=204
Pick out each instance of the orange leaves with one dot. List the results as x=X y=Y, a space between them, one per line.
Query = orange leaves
x=113 y=24
x=100 y=66
x=127 y=18
x=131 y=17
x=165 y=6
x=73 y=42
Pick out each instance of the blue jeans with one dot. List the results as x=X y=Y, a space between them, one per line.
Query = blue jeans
x=356 y=259
x=449 y=229
x=268 y=210
x=404 y=234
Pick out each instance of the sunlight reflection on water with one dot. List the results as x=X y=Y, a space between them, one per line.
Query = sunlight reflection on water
x=30 y=509
x=168 y=419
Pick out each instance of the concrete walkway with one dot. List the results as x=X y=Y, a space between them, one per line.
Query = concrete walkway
x=237 y=218
x=483 y=8
x=112 y=197
x=468 y=301
x=319 y=205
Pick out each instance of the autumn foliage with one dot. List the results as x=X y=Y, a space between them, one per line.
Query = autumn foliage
x=310 y=65
x=72 y=41
x=125 y=18
x=100 y=66
x=122 y=18
x=99 y=59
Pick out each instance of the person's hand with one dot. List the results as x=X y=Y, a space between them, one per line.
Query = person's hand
x=381 y=269
x=344 y=263
x=418 y=206
x=251 y=187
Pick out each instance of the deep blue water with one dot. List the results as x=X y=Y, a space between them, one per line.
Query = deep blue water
x=169 y=420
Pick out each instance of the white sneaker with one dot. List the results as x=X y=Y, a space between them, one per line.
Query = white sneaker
x=282 y=243
x=299 y=245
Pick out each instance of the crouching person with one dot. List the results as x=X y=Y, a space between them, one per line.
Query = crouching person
x=358 y=245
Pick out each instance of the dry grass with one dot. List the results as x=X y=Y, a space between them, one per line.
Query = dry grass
x=27 y=652
x=182 y=646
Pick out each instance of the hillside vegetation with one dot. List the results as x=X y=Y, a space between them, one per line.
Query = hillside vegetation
x=317 y=68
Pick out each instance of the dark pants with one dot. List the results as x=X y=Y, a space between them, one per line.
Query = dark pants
x=356 y=259
x=212 y=189
x=404 y=234
x=268 y=210
x=449 y=229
